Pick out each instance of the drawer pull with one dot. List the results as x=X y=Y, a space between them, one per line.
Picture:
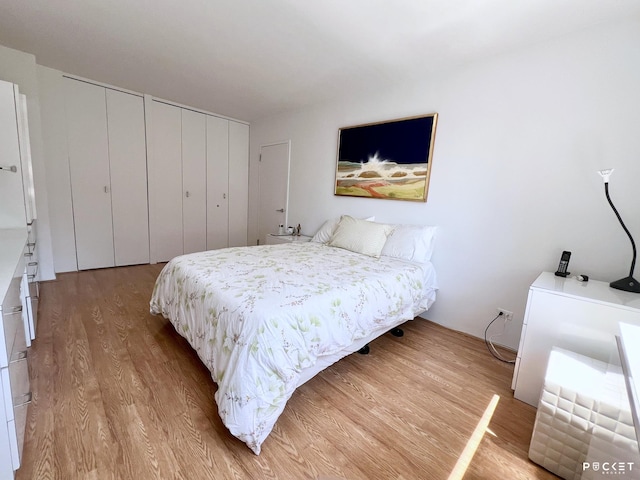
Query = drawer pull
x=28 y=254
x=12 y=310
x=22 y=400
x=31 y=244
x=21 y=355
x=33 y=264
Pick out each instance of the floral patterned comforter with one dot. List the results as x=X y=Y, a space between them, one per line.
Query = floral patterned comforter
x=257 y=316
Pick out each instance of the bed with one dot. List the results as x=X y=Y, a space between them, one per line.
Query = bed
x=265 y=319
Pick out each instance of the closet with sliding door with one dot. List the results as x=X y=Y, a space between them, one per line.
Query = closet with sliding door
x=108 y=169
x=198 y=180
x=151 y=179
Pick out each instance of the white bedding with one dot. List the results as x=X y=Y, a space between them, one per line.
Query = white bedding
x=259 y=316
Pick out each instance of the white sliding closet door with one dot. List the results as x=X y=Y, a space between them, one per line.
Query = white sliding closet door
x=238 y=183
x=198 y=180
x=89 y=167
x=194 y=181
x=217 y=182
x=128 y=160
x=165 y=187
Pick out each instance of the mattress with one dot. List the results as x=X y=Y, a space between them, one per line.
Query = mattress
x=261 y=318
x=583 y=423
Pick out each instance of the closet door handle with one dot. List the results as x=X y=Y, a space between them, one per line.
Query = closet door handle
x=281 y=210
x=106 y=189
x=187 y=194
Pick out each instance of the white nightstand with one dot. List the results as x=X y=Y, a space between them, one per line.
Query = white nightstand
x=273 y=239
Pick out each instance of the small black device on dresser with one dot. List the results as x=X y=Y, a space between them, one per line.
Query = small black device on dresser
x=564 y=264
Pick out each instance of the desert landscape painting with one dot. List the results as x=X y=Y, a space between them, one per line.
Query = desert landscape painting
x=390 y=160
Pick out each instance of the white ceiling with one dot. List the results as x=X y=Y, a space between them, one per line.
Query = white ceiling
x=252 y=58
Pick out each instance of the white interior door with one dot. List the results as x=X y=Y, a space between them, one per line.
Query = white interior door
x=217 y=182
x=194 y=181
x=89 y=167
x=274 y=188
x=128 y=162
x=165 y=182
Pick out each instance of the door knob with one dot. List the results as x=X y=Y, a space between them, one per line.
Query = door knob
x=280 y=210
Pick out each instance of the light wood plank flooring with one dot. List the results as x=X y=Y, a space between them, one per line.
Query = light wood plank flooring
x=118 y=394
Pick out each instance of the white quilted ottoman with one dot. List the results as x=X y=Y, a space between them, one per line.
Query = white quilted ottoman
x=583 y=424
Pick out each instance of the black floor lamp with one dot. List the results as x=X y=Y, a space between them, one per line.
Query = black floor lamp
x=628 y=284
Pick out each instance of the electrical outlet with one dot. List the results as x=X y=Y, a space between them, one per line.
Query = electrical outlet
x=506 y=314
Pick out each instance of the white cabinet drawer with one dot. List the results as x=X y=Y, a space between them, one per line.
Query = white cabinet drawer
x=15 y=386
x=19 y=377
x=13 y=442
x=19 y=373
x=21 y=427
x=16 y=429
x=6 y=393
x=15 y=378
x=12 y=320
x=32 y=314
x=27 y=311
x=11 y=324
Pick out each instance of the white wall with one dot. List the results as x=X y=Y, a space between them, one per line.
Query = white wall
x=20 y=68
x=518 y=144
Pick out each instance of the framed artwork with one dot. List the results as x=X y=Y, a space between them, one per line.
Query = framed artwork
x=390 y=160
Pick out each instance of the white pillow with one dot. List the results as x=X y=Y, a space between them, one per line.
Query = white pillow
x=360 y=236
x=324 y=234
x=411 y=242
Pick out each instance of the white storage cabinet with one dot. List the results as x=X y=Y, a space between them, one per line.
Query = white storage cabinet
x=14 y=369
x=581 y=317
x=17 y=196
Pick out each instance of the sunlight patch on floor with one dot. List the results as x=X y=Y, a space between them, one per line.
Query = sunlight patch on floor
x=476 y=437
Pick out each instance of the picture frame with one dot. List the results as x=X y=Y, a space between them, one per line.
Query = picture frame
x=388 y=160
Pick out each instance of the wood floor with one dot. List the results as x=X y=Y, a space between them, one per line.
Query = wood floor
x=118 y=394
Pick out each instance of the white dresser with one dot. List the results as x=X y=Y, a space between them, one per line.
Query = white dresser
x=14 y=335
x=582 y=317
